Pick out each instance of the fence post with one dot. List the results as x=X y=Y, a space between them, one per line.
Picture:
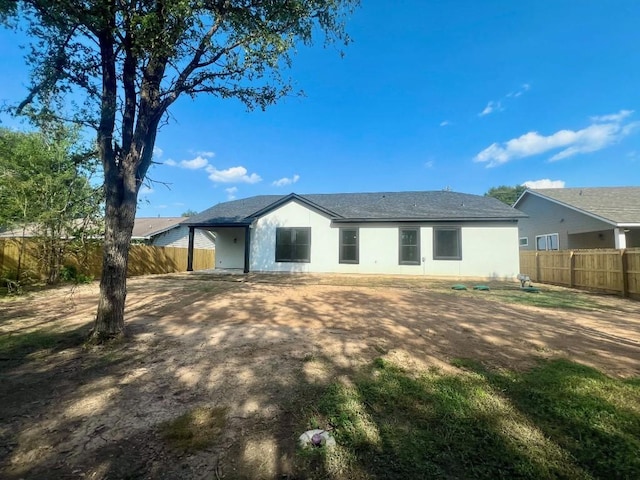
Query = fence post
x=538 y=267
x=623 y=272
x=572 y=269
x=2 y=242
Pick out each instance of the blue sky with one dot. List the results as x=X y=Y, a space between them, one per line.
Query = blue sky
x=452 y=94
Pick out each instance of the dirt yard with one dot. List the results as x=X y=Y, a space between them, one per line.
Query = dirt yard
x=260 y=347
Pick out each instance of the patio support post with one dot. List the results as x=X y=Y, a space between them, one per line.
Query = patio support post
x=247 y=247
x=190 y=250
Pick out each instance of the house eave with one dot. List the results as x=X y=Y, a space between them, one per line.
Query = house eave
x=425 y=220
x=294 y=197
x=240 y=224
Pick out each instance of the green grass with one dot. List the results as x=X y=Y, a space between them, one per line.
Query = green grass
x=546 y=298
x=560 y=420
x=15 y=347
x=196 y=429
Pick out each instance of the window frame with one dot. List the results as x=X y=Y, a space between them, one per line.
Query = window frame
x=547 y=242
x=458 y=231
x=400 y=245
x=279 y=232
x=341 y=245
x=525 y=243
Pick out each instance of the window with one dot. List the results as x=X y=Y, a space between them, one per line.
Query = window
x=293 y=244
x=547 y=242
x=524 y=241
x=349 y=245
x=446 y=243
x=409 y=246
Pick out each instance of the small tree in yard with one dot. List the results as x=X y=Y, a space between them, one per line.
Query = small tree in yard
x=45 y=187
x=125 y=62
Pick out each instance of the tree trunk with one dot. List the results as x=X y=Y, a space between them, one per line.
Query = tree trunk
x=120 y=213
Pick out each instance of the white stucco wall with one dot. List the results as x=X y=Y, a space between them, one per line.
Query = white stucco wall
x=230 y=248
x=488 y=249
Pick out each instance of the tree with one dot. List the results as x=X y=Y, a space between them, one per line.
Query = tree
x=506 y=194
x=189 y=213
x=45 y=186
x=128 y=61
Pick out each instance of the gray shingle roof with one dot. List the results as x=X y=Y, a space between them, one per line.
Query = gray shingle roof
x=147 y=227
x=616 y=204
x=383 y=206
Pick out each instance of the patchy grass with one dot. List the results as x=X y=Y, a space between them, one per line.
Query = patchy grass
x=15 y=347
x=560 y=420
x=196 y=429
x=561 y=298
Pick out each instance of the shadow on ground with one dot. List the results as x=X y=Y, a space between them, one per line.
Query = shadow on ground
x=264 y=351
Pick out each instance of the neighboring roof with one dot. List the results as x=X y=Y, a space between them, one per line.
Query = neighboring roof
x=146 y=227
x=365 y=207
x=34 y=230
x=19 y=232
x=143 y=228
x=617 y=205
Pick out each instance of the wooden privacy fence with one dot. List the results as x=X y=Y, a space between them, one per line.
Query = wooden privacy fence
x=607 y=270
x=143 y=259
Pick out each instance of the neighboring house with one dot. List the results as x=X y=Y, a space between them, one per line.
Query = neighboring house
x=416 y=233
x=573 y=218
x=156 y=231
x=169 y=232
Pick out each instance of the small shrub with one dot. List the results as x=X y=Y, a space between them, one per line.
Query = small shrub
x=69 y=273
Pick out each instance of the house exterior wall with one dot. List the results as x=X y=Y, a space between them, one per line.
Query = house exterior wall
x=488 y=249
x=230 y=248
x=179 y=237
x=546 y=217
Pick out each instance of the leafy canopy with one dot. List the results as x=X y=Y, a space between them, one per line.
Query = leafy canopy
x=165 y=48
x=506 y=194
x=45 y=180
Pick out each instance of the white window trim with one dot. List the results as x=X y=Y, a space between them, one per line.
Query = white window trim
x=526 y=241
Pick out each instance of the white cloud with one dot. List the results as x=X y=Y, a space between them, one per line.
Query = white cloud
x=171 y=163
x=232 y=175
x=206 y=154
x=525 y=87
x=490 y=108
x=231 y=192
x=614 y=117
x=429 y=164
x=194 y=164
x=145 y=190
x=572 y=142
x=157 y=152
x=496 y=105
x=445 y=123
x=544 y=183
x=286 y=181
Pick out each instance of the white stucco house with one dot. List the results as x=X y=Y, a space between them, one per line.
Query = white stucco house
x=416 y=233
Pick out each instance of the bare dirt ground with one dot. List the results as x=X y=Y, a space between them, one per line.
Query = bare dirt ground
x=260 y=347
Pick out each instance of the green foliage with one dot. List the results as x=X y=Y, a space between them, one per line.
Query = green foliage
x=189 y=213
x=560 y=420
x=46 y=191
x=505 y=193
x=69 y=273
